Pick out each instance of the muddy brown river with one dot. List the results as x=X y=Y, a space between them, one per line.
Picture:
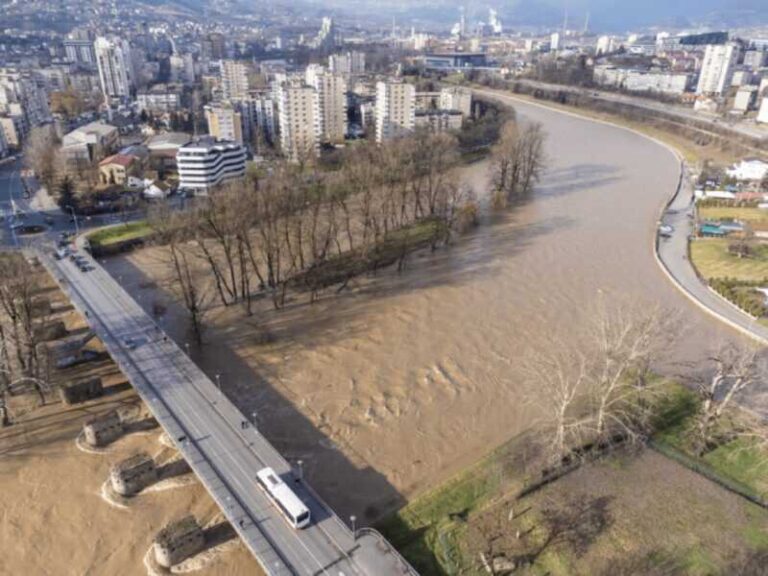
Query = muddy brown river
x=395 y=386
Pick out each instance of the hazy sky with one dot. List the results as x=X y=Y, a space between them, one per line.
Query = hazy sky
x=604 y=14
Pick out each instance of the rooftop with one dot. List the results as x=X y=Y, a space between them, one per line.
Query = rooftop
x=168 y=140
x=123 y=160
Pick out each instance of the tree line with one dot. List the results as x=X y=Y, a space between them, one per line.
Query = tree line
x=297 y=227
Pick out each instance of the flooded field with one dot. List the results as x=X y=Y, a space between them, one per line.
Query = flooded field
x=398 y=384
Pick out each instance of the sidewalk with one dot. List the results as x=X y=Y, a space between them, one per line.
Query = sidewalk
x=672 y=254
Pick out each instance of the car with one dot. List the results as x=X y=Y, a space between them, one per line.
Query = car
x=665 y=230
x=84 y=267
x=130 y=343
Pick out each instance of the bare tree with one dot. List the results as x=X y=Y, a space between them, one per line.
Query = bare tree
x=41 y=154
x=517 y=161
x=735 y=369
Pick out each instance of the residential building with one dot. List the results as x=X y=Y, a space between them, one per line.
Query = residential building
x=234 y=80
x=762 y=114
x=742 y=77
x=347 y=63
x=89 y=143
x=755 y=59
x=163 y=148
x=745 y=99
x=159 y=99
x=5 y=149
x=642 y=80
x=299 y=125
x=214 y=46
x=331 y=107
x=455 y=98
x=439 y=120
x=395 y=109
x=23 y=99
x=78 y=46
x=554 y=41
x=11 y=132
x=204 y=163
x=717 y=69
x=749 y=169
x=258 y=117
x=427 y=100
x=224 y=122
x=116 y=169
x=116 y=74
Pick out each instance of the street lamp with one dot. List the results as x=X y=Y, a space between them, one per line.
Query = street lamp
x=254 y=415
x=186 y=345
x=301 y=468
x=353 y=519
x=74 y=217
x=218 y=381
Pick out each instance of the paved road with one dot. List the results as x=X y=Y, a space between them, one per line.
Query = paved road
x=744 y=128
x=673 y=255
x=207 y=430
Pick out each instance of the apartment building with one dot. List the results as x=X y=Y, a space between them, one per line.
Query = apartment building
x=331 y=107
x=234 y=80
x=205 y=163
x=455 y=98
x=224 y=122
x=717 y=69
x=298 y=114
x=159 y=99
x=116 y=73
x=23 y=103
x=347 y=63
x=395 y=109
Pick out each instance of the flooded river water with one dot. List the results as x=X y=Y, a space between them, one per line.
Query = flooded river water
x=389 y=389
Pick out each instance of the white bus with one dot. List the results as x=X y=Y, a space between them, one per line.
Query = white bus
x=284 y=498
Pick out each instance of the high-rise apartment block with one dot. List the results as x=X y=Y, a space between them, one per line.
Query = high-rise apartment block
x=234 y=80
x=395 y=109
x=298 y=113
x=331 y=107
x=455 y=98
x=717 y=69
x=79 y=49
x=348 y=63
x=224 y=122
x=116 y=74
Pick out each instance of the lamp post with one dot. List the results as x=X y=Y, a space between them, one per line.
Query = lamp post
x=301 y=468
x=218 y=382
x=74 y=217
x=186 y=345
x=353 y=519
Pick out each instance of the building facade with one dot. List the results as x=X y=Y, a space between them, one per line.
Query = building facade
x=331 y=107
x=395 y=109
x=455 y=98
x=234 y=80
x=116 y=75
x=717 y=69
x=204 y=163
x=299 y=125
x=224 y=122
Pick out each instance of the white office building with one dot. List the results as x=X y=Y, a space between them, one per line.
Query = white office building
x=331 y=107
x=299 y=120
x=717 y=69
x=395 y=109
x=116 y=73
x=204 y=163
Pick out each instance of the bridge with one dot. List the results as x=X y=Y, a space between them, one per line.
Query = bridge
x=207 y=430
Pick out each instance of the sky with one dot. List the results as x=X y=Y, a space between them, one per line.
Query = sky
x=614 y=15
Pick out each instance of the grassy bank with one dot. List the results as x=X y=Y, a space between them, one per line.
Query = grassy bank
x=744 y=214
x=630 y=507
x=119 y=233
x=712 y=259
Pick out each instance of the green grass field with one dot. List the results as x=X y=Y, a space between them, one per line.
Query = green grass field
x=119 y=233
x=655 y=510
x=753 y=215
x=712 y=260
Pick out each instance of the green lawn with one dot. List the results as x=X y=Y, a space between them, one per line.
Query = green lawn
x=734 y=213
x=119 y=233
x=712 y=260
x=651 y=511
